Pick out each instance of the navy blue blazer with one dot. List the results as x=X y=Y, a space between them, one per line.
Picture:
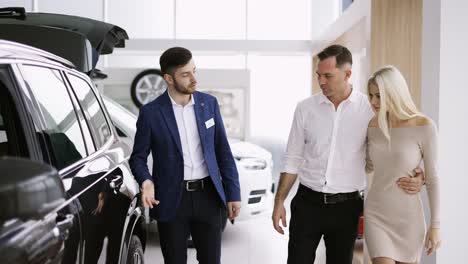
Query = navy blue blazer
x=157 y=132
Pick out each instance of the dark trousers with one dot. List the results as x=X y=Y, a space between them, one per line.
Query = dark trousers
x=200 y=214
x=311 y=219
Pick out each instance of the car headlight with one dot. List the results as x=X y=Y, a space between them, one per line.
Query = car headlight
x=252 y=163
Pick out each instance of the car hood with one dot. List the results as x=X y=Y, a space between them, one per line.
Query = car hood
x=77 y=39
x=243 y=149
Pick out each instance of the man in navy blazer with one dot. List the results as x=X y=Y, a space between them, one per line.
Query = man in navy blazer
x=194 y=178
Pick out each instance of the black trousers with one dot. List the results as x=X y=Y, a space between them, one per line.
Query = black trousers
x=200 y=214
x=311 y=219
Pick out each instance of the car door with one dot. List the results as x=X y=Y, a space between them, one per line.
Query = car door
x=41 y=234
x=72 y=149
x=62 y=143
x=121 y=188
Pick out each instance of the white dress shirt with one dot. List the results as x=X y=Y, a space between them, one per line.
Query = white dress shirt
x=327 y=147
x=194 y=162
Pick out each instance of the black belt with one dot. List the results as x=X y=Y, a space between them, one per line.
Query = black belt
x=330 y=198
x=196 y=185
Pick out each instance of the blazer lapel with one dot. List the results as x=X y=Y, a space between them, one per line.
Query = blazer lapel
x=169 y=117
x=199 y=107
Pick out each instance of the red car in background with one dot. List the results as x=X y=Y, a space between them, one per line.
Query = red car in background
x=361 y=227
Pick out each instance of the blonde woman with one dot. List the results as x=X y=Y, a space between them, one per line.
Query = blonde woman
x=399 y=138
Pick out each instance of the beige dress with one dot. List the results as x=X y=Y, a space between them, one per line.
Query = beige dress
x=394 y=225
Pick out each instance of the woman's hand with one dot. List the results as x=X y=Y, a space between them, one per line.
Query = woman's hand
x=433 y=240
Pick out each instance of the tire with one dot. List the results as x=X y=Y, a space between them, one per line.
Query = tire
x=135 y=251
x=140 y=92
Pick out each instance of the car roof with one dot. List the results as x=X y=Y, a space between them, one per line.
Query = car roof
x=15 y=50
x=78 y=39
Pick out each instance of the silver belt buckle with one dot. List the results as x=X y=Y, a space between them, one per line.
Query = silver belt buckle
x=187 y=185
x=325 y=201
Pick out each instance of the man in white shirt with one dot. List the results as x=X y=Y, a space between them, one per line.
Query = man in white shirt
x=327 y=149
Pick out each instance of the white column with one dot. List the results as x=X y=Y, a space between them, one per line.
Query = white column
x=453 y=123
x=444 y=98
x=430 y=82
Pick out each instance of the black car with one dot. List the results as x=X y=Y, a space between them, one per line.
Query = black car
x=51 y=113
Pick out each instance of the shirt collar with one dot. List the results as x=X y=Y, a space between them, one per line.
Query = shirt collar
x=191 y=102
x=323 y=99
x=353 y=97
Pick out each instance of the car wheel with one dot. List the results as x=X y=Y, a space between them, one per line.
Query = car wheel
x=135 y=251
x=147 y=86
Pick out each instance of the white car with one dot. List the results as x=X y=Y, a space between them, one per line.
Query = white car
x=254 y=163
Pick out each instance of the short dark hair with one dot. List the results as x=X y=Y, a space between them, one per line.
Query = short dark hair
x=174 y=58
x=341 y=53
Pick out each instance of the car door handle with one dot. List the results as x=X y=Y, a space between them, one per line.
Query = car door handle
x=115 y=182
x=64 y=225
x=48 y=240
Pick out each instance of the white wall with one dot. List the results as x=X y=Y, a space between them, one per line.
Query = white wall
x=453 y=112
x=86 y=8
x=142 y=18
x=444 y=95
x=324 y=13
x=27 y=4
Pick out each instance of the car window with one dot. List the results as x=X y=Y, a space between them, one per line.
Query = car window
x=89 y=141
x=93 y=111
x=3 y=132
x=62 y=130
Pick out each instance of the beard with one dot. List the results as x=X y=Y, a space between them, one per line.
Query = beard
x=189 y=89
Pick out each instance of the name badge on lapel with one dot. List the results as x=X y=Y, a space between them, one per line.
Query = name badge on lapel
x=209 y=123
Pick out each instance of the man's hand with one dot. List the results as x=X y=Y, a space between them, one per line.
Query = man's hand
x=101 y=200
x=279 y=213
x=233 y=209
x=147 y=194
x=412 y=185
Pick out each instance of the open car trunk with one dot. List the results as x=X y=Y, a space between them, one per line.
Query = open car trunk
x=77 y=39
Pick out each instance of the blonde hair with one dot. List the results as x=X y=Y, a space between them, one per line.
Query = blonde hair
x=395 y=98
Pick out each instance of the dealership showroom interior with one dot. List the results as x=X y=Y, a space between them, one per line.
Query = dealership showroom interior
x=296 y=131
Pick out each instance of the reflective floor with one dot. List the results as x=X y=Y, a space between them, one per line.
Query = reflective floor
x=251 y=241
x=248 y=242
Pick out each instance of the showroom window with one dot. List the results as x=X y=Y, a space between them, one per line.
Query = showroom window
x=62 y=130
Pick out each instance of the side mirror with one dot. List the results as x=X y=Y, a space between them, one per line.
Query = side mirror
x=28 y=189
x=28 y=192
